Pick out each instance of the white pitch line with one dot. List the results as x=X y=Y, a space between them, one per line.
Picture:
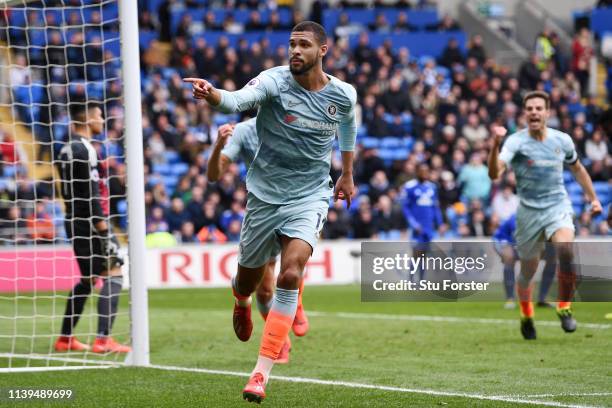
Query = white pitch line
x=53 y=368
x=446 y=319
x=569 y=394
x=57 y=358
x=378 y=387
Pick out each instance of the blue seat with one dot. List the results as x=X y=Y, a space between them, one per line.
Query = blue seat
x=574 y=188
x=391 y=142
x=370 y=142
x=172 y=157
x=170 y=182
x=419 y=44
x=162 y=169
x=419 y=18
x=178 y=169
x=601 y=20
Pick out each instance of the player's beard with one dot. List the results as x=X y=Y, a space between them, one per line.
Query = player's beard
x=304 y=69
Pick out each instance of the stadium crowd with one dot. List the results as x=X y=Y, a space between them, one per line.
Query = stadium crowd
x=411 y=110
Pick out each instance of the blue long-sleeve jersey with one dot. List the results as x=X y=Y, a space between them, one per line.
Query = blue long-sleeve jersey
x=421 y=208
x=505 y=232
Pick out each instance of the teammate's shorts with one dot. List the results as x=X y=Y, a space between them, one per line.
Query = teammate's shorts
x=265 y=223
x=87 y=247
x=535 y=226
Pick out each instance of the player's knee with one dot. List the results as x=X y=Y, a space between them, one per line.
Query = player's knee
x=264 y=295
x=290 y=277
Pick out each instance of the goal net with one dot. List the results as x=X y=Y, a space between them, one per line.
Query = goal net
x=54 y=54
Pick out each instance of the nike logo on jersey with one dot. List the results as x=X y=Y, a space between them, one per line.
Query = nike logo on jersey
x=291 y=104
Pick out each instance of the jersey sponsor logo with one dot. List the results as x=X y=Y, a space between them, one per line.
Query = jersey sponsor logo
x=290 y=118
x=332 y=109
x=543 y=163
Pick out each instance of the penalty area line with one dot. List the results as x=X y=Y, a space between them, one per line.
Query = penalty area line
x=347 y=384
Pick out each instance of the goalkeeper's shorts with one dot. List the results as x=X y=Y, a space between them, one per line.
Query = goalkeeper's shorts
x=535 y=226
x=265 y=223
x=87 y=247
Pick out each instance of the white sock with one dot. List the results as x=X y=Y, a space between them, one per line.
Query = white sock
x=264 y=366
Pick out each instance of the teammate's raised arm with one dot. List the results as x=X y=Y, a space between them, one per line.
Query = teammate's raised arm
x=497 y=166
x=218 y=163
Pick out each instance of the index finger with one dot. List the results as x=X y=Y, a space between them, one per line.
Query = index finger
x=192 y=80
x=348 y=200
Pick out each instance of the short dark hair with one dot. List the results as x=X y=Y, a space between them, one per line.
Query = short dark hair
x=79 y=109
x=315 y=28
x=537 y=94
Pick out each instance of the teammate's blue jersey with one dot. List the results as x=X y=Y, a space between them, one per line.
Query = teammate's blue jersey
x=538 y=166
x=505 y=232
x=296 y=130
x=421 y=206
x=243 y=143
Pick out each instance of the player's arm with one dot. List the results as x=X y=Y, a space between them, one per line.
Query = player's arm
x=256 y=92
x=497 y=165
x=347 y=134
x=583 y=178
x=219 y=162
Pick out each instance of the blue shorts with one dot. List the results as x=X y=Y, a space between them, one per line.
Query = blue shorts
x=265 y=223
x=535 y=226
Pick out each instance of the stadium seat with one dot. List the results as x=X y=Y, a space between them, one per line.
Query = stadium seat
x=419 y=18
x=178 y=169
x=600 y=20
x=369 y=142
x=420 y=44
x=172 y=157
x=163 y=169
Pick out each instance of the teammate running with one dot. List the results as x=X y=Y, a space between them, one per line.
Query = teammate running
x=537 y=155
x=243 y=144
x=301 y=109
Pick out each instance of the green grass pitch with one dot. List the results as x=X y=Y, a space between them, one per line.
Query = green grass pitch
x=428 y=350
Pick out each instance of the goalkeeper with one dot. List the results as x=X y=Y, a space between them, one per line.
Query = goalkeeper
x=85 y=196
x=243 y=144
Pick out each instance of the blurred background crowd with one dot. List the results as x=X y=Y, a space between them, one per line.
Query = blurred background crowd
x=427 y=93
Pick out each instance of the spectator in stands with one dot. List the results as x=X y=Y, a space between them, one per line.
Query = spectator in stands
x=389 y=220
x=446 y=23
x=504 y=203
x=363 y=223
x=474 y=131
x=254 y=22
x=335 y=227
x=529 y=74
x=156 y=221
x=448 y=193
x=210 y=22
x=177 y=215
x=380 y=24
x=582 y=51
x=452 y=54
x=40 y=225
x=13 y=228
x=474 y=179
x=476 y=49
x=544 y=48
x=402 y=23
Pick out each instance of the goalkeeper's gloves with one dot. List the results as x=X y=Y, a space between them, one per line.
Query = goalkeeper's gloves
x=110 y=248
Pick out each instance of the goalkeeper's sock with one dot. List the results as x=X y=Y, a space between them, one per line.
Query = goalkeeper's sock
x=276 y=329
x=74 y=307
x=241 y=300
x=108 y=304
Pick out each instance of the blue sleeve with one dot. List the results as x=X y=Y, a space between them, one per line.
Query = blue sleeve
x=256 y=92
x=347 y=130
